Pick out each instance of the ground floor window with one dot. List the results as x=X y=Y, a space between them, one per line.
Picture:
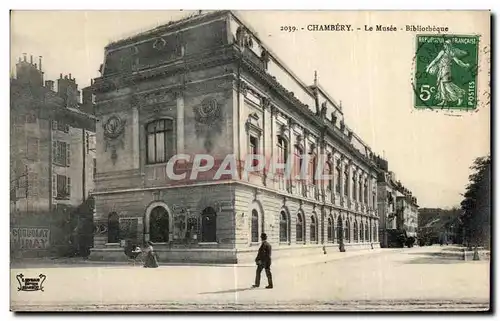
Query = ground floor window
x=283 y=227
x=329 y=231
x=209 y=225
x=299 y=228
x=255 y=226
x=159 y=225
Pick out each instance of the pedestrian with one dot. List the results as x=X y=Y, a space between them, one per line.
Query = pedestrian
x=150 y=261
x=263 y=261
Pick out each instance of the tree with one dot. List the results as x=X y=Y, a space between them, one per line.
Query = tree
x=476 y=206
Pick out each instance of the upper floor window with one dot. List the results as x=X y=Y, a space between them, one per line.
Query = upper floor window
x=32 y=149
x=297 y=162
x=61 y=153
x=312 y=169
x=254 y=149
x=60 y=126
x=282 y=150
x=338 y=173
x=329 y=172
x=31 y=118
x=360 y=195
x=160 y=142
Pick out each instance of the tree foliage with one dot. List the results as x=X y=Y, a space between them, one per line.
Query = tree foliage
x=476 y=205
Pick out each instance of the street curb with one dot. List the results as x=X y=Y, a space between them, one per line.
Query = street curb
x=283 y=262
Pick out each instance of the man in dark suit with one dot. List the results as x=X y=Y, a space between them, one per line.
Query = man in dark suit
x=263 y=261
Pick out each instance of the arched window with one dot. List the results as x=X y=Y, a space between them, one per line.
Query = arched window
x=313 y=229
x=356 y=239
x=255 y=226
x=297 y=162
x=361 y=232
x=159 y=225
x=209 y=225
x=339 y=229
x=329 y=231
x=113 y=228
x=159 y=141
x=299 y=228
x=346 y=231
x=283 y=227
x=338 y=173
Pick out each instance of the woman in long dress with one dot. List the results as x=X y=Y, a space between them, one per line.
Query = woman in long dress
x=150 y=260
x=447 y=91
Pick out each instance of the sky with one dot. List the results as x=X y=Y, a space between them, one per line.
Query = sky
x=370 y=72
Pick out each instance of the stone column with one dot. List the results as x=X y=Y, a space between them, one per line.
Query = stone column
x=180 y=122
x=135 y=137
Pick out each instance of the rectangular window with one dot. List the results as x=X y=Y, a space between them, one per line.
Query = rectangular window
x=337 y=177
x=160 y=144
x=63 y=187
x=32 y=149
x=31 y=118
x=94 y=168
x=254 y=149
x=61 y=153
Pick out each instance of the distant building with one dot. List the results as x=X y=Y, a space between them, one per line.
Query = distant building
x=437 y=225
x=397 y=207
x=208 y=85
x=52 y=155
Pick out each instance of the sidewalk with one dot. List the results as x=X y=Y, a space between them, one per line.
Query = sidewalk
x=280 y=262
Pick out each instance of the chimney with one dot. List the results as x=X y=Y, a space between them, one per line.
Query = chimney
x=24 y=57
x=40 y=62
x=31 y=59
x=49 y=84
x=60 y=76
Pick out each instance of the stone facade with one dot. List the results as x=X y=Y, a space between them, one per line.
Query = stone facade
x=211 y=87
x=52 y=153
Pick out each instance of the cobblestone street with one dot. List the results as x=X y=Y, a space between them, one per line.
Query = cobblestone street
x=426 y=278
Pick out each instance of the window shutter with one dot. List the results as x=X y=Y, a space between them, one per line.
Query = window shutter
x=54 y=152
x=68 y=186
x=54 y=125
x=68 y=154
x=54 y=186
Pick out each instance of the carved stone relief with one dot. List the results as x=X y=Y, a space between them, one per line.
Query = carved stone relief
x=114 y=129
x=208 y=116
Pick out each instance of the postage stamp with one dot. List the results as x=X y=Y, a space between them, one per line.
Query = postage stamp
x=446 y=72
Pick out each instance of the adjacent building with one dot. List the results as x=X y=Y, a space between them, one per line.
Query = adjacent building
x=398 y=208
x=208 y=85
x=52 y=157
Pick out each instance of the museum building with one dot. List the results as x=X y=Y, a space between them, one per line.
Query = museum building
x=206 y=84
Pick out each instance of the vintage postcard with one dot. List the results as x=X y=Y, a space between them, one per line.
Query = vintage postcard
x=250 y=161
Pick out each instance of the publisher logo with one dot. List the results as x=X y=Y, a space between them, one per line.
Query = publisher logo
x=30 y=284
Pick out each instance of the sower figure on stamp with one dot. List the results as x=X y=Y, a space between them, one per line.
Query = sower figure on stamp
x=263 y=261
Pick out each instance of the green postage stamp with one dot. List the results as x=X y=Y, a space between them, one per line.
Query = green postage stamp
x=446 y=69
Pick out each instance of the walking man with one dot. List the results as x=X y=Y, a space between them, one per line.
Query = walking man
x=263 y=261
